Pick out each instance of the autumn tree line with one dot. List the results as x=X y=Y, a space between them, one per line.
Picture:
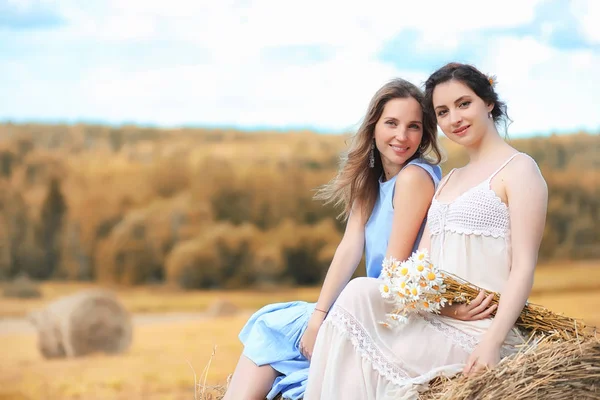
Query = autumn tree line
x=201 y=208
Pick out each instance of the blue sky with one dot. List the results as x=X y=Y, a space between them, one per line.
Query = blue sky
x=274 y=64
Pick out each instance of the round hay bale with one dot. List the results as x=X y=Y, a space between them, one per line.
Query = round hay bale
x=222 y=308
x=83 y=323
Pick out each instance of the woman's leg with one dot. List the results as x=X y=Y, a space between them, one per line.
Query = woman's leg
x=249 y=381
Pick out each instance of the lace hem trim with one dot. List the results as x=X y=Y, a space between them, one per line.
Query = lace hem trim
x=465 y=341
x=361 y=340
x=462 y=339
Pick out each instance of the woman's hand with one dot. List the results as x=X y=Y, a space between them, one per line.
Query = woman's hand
x=486 y=355
x=307 y=342
x=479 y=308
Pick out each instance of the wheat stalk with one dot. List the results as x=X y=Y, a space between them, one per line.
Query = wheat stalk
x=534 y=319
x=550 y=370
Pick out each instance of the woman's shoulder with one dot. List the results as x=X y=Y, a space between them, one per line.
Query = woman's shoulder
x=418 y=174
x=519 y=172
x=433 y=170
x=520 y=163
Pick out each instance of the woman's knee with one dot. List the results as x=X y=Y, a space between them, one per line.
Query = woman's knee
x=357 y=289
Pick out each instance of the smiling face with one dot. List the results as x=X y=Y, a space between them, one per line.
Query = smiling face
x=461 y=114
x=398 y=133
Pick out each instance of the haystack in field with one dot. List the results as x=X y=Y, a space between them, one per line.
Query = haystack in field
x=86 y=322
x=222 y=308
x=551 y=370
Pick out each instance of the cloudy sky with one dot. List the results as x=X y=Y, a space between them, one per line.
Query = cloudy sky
x=282 y=64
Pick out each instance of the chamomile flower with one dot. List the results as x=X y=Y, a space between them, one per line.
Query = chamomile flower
x=400 y=295
x=460 y=298
x=434 y=278
x=398 y=318
x=440 y=300
x=398 y=282
x=405 y=269
x=385 y=324
x=387 y=263
x=385 y=290
x=414 y=291
x=420 y=256
x=421 y=268
x=425 y=305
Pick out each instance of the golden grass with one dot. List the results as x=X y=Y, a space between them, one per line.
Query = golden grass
x=156 y=366
x=159 y=299
x=554 y=283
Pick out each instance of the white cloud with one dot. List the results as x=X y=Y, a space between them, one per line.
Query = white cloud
x=330 y=95
x=546 y=89
x=253 y=25
x=237 y=85
x=588 y=13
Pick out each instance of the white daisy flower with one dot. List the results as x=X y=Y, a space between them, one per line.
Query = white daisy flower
x=405 y=269
x=425 y=305
x=460 y=298
x=385 y=290
x=387 y=262
x=420 y=256
x=397 y=318
x=385 y=324
x=438 y=302
x=413 y=290
x=421 y=268
x=434 y=278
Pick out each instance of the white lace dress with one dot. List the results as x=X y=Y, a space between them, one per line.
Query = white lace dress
x=357 y=358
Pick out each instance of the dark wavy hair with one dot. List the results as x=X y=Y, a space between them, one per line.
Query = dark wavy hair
x=477 y=81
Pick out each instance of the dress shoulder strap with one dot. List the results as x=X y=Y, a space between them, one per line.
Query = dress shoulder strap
x=502 y=166
x=443 y=182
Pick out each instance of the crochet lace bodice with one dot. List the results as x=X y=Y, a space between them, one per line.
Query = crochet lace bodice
x=478 y=211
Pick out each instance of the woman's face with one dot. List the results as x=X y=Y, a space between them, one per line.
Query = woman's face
x=398 y=132
x=460 y=113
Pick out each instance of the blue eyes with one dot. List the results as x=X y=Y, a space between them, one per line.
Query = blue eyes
x=394 y=124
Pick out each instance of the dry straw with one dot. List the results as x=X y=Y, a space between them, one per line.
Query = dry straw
x=550 y=370
x=204 y=391
x=534 y=319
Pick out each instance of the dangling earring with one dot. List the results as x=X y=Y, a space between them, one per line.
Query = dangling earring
x=372 y=155
x=490 y=115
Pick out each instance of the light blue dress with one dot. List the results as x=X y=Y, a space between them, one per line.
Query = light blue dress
x=272 y=334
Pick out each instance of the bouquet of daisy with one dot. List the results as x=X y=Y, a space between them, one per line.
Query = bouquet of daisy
x=412 y=285
x=417 y=285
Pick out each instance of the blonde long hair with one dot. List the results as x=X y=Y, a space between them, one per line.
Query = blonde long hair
x=355 y=181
